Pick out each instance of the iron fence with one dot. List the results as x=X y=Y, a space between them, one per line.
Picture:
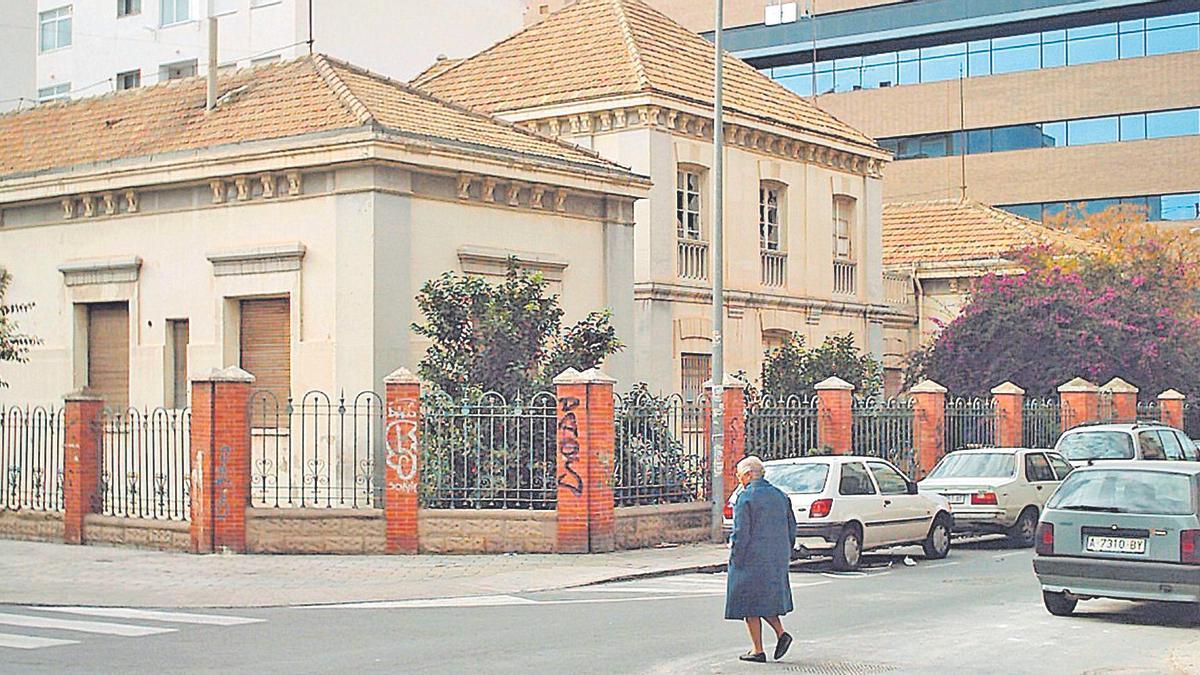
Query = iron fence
x=1148 y=411
x=782 y=428
x=31 y=459
x=489 y=453
x=660 y=450
x=1106 y=409
x=144 y=463
x=884 y=428
x=1041 y=422
x=970 y=423
x=317 y=452
x=1191 y=420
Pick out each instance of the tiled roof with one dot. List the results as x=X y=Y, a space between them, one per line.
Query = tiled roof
x=950 y=230
x=436 y=68
x=596 y=49
x=303 y=96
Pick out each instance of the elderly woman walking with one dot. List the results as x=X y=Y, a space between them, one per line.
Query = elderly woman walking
x=764 y=531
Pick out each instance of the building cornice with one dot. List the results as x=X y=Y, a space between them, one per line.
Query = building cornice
x=739 y=299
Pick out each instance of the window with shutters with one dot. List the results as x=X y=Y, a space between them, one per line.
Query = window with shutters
x=177 y=339
x=687 y=204
x=108 y=353
x=843 y=225
x=265 y=345
x=769 y=221
x=697 y=369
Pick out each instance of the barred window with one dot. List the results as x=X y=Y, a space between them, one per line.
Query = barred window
x=697 y=369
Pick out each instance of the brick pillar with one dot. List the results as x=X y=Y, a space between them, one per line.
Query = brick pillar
x=1080 y=401
x=734 y=412
x=81 y=462
x=402 y=476
x=834 y=398
x=585 y=462
x=220 y=447
x=1124 y=399
x=1010 y=408
x=929 y=422
x=1170 y=406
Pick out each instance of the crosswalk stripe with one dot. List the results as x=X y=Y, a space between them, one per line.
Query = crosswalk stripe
x=103 y=628
x=466 y=601
x=30 y=642
x=664 y=591
x=151 y=615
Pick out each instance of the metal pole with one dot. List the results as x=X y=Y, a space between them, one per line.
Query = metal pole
x=718 y=282
x=211 y=89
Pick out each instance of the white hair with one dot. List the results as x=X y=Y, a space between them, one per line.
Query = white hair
x=751 y=465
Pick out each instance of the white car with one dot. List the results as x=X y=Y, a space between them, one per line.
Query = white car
x=846 y=505
x=998 y=490
x=1087 y=444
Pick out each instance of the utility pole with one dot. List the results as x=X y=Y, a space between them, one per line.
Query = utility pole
x=718 y=285
x=211 y=76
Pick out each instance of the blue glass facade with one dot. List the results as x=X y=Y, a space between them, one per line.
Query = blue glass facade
x=1179 y=206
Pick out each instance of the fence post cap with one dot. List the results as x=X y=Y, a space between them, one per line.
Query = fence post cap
x=928 y=387
x=1007 y=388
x=569 y=376
x=1078 y=386
x=230 y=374
x=1171 y=395
x=1119 y=386
x=596 y=376
x=401 y=375
x=81 y=395
x=728 y=382
x=834 y=384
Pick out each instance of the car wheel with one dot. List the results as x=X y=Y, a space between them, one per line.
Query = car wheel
x=937 y=542
x=1059 y=604
x=1024 y=531
x=847 y=553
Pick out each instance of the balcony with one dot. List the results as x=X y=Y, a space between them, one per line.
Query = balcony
x=774 y=268
x=845 y=275
x=897 y=289
x=693 y=259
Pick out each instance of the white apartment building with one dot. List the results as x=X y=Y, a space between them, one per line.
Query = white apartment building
x=18 y=51
x=90 y=47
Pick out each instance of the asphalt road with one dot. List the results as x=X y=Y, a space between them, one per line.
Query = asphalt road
x=977 y=611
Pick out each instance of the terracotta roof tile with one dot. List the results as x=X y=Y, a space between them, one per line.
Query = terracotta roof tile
x=951 y=230
x=597 y=49
x=307 y=95
x=434 y=69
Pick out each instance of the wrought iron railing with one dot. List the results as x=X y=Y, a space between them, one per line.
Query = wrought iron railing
x=782 y=428
x=1148 y=411
x=1041 y=422
x=315 y=452
x=660 y=452
x=844 y=276
x=490 y=453
x=970 y=423
x=693 y=259
x=31 y=459
x=774 y=268
x=884 y=428
x=897 y=288
x=1191 y=420
x=145 y=466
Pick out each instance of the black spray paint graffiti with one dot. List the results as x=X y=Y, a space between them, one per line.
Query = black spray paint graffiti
x=568 y=445
x=221 y=483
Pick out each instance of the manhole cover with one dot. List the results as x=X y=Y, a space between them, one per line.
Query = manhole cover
x=843 y=668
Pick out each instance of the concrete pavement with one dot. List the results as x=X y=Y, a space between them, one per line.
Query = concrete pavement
x=37 y=573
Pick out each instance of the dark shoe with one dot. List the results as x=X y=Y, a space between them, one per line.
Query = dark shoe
x=760 y=657
x=781 y=647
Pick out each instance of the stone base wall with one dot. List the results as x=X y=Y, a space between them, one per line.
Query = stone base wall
x=31 y=525
x=331 y=531
x=162 y=535
x=487 y=531
x=643 y=526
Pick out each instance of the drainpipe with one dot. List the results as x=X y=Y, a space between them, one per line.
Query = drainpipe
x=211 y=99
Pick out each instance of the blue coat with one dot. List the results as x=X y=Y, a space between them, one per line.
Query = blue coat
x=764 y=531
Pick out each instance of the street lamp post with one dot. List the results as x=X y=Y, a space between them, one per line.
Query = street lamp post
x=718 y=284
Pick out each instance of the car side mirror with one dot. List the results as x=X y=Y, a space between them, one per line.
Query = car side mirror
x=912 y=487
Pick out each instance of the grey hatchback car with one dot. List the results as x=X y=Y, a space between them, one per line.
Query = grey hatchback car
x=1126 y=530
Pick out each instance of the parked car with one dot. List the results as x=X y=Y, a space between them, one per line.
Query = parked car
x=1124 y=530
x=997 y=490
x=846 y=505
x=1142 y=440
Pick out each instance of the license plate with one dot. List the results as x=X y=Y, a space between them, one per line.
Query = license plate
x=956 y=499
x=1115 y=545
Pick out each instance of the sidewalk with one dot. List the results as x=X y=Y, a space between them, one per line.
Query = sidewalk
x=57 y=574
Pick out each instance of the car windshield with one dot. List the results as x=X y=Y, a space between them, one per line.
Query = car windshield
x=805 y=479
x=975 y=465
x=1126 y=491
x=1086 y=445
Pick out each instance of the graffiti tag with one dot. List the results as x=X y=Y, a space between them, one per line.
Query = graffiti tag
x=568 y=445
x=401 y=437
x=221 y=480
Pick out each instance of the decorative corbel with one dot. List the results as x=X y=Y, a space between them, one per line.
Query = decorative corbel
x=89 y=206
x=605 y=121
x=243 y=188
x=514 y=194
x=560 y=200
x=268 y=185
x=294 y=185
x=110 y=203
x=585 y=123
x=68 y=207
x=464 y=186
x=619 y=119
x=654 y=112
x=535 y=201
x=131 y=201
x=489 y=189
x=218 y=191
x=555 y=127
x=575 y=125
x=672 y=118
x=730 y=133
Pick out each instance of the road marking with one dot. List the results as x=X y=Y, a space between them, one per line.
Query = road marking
x=467 y=601
x=124 y=630
x=665 y=591
x=29 y=642
x=941 y=564
x=149 y=615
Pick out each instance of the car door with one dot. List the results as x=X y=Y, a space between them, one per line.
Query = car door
x=1040 y=477
x=908 y=516
x=1062 y=468
x=1150 y=446
x=862 y=502
x=1190 y=451
x=1171 y=446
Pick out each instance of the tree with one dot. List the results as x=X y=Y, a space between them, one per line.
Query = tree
x=505 y=337
x=14 y=345
x=1125 y=306
x=794 y=370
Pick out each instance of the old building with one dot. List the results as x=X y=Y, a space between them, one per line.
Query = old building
x=802 y=195
x=285 y=230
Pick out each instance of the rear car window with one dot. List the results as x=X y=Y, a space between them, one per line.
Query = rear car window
x=1061 y=467
x=975 y=465
x=1171 y=444
x=1126 y=491
x=805 y=479
x=1085 y=445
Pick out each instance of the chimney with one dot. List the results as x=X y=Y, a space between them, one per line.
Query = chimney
x=211 y=101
